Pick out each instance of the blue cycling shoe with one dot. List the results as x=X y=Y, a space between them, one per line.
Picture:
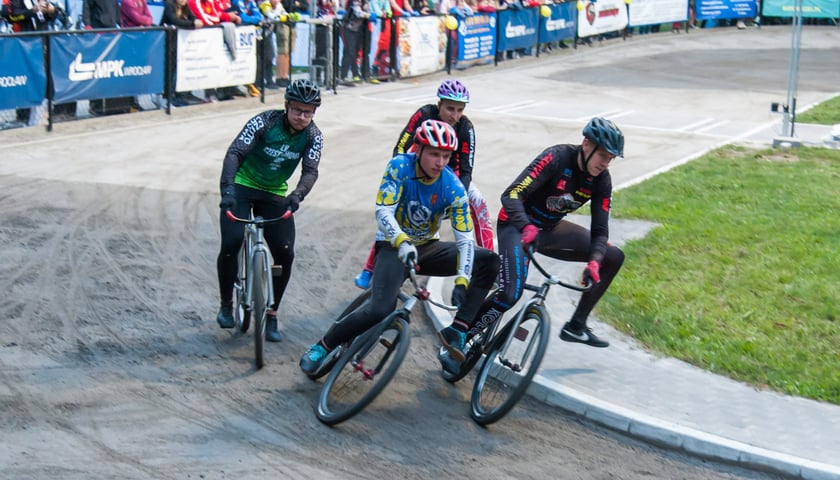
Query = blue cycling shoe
x=312 y=358
x=453 y=342
x=272 y=334
x=362 y=280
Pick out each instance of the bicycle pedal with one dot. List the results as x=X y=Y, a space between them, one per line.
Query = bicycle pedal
x=521 y=334
x=385 y=342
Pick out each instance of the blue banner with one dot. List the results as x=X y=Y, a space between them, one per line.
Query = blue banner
x=561 y=24
x=23 y=82
x=725 y=9
x=517 y=28
x=810 y=8
x=107 y=65
x=476 y=40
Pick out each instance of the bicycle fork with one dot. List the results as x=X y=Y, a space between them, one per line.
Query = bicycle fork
x=519 y=333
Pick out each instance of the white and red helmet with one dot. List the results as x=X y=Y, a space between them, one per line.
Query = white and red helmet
x=437 y=134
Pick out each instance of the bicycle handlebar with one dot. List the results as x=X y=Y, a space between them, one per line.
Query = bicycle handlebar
x=556 y=280
x=258 y=221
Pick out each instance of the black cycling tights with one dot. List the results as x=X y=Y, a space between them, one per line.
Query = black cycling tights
x=279 y=236
x=566 y=241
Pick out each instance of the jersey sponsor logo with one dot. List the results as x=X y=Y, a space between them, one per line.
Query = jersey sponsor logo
x=605 y=205
x=561 y=185
x=582 y=192
x=418 y=214
x=567 y=172
x=315 y=151
x=538 y=168
x=250 y=129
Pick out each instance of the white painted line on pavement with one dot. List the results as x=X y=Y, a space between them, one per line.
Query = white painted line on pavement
x=709 y=127
x=510 y=106
x=694 y=125
x=605 y=113
x=622 y=114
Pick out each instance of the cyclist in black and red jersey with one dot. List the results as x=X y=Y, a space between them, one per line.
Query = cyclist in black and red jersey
x=559 y=181
x=453 y=97
x=257 y=166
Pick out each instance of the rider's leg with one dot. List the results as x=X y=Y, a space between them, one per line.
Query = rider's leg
x=571 y=242
x=280 y=238
x=362 y=280
x=482 y=224
x=512 y=273
x=385 y=288
x=227 y=265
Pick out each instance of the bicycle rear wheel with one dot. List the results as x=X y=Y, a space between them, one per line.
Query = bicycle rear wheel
x=260 y=297
x=241 y=310
x=507 y=372
x=336 y=353
x=363 y=372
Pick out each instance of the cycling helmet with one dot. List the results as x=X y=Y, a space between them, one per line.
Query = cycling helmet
x=437 y=134
x=304 y=91
x=453 y=90
x=606 y=135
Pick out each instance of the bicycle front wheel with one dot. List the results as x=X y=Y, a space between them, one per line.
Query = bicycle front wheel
x=260 y=285
x=512 y=361
x=241 y=310
x=363 y=372
x=328 y=364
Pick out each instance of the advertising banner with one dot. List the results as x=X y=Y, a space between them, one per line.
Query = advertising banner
x=107 y=65
x=422 y=45
x=561 y=24
x=207 y=58
x=810 y=8
x=23 y=82
x=599 y=17
x=476 y=43
x=653 y=12
x=725 y=9
x=517 y=28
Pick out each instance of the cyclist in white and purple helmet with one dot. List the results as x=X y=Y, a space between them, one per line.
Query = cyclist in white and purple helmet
x=453 y=97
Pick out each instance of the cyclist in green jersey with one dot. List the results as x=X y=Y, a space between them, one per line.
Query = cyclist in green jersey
x=256 y=169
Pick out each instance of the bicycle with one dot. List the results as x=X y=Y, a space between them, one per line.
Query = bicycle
x=253 y=291
x=513 y=352
x=360 y=369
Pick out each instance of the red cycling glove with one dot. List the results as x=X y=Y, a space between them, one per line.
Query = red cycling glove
x=529 y=234
x=592 y=272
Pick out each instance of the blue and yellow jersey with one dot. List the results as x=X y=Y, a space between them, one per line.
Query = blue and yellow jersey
x=409 y=207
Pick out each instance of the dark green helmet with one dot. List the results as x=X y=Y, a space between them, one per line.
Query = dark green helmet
x=304 y=91
x=606 y=135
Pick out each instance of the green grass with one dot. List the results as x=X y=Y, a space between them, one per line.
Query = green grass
x=742 y=278
x=827 y=113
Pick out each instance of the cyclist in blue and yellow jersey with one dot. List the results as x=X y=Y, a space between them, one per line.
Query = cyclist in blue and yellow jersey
x=256 y=169
x=559 y=181
x=417 y=191
x=453 y=97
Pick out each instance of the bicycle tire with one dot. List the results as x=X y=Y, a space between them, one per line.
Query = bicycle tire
x=498 y=387
x=241 y=310
x=333 y=356
x=351 y=387
x=260 y=296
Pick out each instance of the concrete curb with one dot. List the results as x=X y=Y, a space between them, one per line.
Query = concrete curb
x=654 y=431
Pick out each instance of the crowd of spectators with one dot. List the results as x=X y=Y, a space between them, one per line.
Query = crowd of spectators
x=275 y=20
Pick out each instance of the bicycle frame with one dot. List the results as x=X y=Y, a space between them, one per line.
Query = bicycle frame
x=255 y=256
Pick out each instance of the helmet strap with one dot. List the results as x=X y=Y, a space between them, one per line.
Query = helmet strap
x=584 y=159
x=425 y=176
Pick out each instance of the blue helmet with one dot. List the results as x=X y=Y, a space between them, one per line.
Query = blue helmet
x=606 y=135
x=453 y=90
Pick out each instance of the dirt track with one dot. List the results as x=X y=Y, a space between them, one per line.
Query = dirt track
x=112 y=365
